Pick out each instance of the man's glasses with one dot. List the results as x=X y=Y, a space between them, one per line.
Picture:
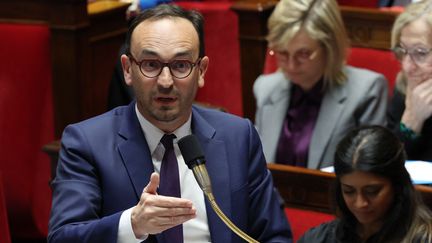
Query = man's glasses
x=152 y=68
x=417 y=54
x=300 y=56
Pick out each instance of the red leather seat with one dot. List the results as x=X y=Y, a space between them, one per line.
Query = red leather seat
x=380 y=61
x=223 y=84
x=301 y=220
x=359 y=3
x=4 y=225
x=26 y=125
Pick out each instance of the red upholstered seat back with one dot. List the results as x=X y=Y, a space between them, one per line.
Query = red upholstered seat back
x=26 y=124
x=4 y=225
x=222 y=81
x=359 y=3
x=381 y=61
x=302 y=220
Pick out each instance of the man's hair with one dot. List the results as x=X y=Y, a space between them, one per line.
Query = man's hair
x=322 y=21
x=164 y=11
x=377 y=150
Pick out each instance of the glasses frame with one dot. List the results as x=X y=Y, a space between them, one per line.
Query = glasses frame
x=410 y=53
x=163 y=65
x=287 y=57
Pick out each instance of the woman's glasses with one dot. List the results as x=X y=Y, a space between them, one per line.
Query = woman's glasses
x=300 y=56
x=419 y=55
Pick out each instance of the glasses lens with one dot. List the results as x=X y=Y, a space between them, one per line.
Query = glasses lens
x=303 y=55
x=399 y=53
x=420 y=54
x=180 y=68
x=282 y=56
x=151 y=68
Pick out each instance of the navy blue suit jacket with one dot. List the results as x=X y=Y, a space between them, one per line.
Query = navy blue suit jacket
x=105 y=163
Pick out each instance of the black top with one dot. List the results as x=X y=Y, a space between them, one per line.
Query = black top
x=419 y=148
x=324 y=233
x=329 y=233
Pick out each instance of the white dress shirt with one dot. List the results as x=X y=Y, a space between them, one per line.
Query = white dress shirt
x=194 y=230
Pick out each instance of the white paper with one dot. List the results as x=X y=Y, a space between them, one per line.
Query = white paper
x=420 y=171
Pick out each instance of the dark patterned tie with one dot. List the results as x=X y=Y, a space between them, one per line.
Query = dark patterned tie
x=170 y=185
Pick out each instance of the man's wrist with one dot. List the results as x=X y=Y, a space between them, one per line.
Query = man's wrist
x=125 y=231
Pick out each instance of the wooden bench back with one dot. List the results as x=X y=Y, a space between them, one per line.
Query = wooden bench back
x=314 y=190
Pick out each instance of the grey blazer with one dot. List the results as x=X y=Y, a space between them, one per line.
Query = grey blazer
x=361 y=100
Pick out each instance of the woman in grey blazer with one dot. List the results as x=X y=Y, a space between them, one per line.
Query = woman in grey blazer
x=314 y=99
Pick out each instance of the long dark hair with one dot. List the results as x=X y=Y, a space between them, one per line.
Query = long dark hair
x=376 y=150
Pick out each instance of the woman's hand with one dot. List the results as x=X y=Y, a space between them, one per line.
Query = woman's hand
x=418 y=104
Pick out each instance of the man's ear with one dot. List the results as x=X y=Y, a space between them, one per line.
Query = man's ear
x=126 y=66
x=203 y=65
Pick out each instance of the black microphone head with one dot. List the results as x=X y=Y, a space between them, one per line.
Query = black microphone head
x=191 y=151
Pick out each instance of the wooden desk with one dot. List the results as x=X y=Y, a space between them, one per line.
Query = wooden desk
x=85 y=40
x=314 y=190
x=304 y=188
x=366 y=27
x=300 y=187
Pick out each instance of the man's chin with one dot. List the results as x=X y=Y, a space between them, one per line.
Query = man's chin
x=165 y=115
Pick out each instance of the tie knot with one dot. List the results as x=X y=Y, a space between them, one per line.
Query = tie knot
x=167 y=141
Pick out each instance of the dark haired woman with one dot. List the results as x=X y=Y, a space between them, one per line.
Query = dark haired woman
x=375 y=197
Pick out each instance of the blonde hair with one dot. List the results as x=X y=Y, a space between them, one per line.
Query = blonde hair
x=322 y=21
x=413 y=12
x=421 y=226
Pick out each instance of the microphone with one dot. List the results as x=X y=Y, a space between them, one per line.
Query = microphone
x=194 y=158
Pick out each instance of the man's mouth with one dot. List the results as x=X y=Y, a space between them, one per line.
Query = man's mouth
x=166 y=100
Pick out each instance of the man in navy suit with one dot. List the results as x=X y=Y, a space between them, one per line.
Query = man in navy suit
x=106 y=188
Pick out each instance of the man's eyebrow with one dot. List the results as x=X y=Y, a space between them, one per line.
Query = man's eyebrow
x=147 y=52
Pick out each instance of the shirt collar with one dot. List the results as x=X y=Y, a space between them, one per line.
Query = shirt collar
x=153 y=134
x=314 y=95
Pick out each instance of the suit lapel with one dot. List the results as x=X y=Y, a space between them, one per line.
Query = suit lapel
x=134 y=151
x=273 y=116
x=136 y=157
x=332 y=106
x=217 y=166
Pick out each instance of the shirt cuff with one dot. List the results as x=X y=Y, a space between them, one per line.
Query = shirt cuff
x=125 y=231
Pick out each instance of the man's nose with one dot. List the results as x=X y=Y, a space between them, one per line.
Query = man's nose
x=165 y=79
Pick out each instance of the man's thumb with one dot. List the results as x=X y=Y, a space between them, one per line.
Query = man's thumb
x=153 y=184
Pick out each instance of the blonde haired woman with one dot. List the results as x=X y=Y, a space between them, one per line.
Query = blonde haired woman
x=410 y=112
x=305 y=107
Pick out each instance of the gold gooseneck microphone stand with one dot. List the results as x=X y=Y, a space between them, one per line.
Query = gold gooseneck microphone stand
x=203 y=179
